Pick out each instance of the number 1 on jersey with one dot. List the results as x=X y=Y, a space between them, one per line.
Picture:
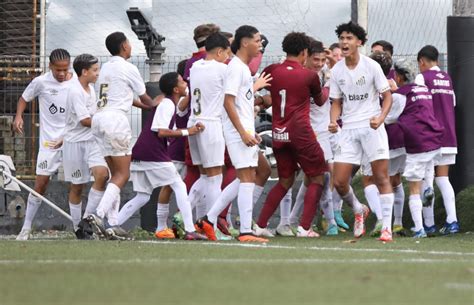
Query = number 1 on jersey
x=283 y=102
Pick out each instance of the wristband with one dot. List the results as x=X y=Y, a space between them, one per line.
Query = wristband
x=184 y=132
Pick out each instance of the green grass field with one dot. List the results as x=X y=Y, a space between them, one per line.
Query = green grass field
x=285 y=271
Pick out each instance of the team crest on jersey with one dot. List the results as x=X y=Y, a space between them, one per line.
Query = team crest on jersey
x=289 y=68
x=249 y=94
x=77 y=174
x=440 y=75
x=361 y=81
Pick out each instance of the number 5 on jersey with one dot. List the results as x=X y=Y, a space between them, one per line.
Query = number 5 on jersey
x=104 y=88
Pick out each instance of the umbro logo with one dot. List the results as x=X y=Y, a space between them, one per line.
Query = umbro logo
x=77 y=174
x=361 y=81
x=43 y=165
x=53 y=92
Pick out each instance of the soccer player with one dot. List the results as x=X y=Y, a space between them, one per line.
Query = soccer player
x=355 y=85
x=80 y=152
x=51 y=89
x=294 y=141
x=239 y=134
x=118 y=81
x=422 y=132
x=441 y=87
x=385 y=46
x=336 y=52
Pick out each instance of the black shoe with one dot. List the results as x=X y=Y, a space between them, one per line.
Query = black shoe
x=97 y=225
x=85 y=230
x=117 y=233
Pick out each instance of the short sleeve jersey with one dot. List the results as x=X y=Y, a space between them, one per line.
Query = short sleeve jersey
x=239 y=83
x=207 y=88
x=359 y=90
x=80 y=105
x=52 y=96
x=118 y=81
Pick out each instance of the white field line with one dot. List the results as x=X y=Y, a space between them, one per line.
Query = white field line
x=459 y=286
x=267 y=246
x=231 y=261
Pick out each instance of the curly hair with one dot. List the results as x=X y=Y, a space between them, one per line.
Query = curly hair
x=353 y=28
x=295 y=42
x=384 y=59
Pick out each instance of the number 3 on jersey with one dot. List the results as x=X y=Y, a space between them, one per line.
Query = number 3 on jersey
x=197 y=96
x=283 y=102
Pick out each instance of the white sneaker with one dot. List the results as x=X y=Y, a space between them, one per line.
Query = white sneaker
x=306 y=233
x=285 y=230
x=24 y=234
x=265 y=232
x=359 y=219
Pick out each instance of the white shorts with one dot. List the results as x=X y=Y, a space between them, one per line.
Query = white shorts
x=356 y=143
x=146 y=176
x=180 y=167
x=418 y=164
x=112 y=132
x=207 y=148
x=326 y=140
x=445 y=159
x=243 y=156
x=397 y=165
x=79 y=159
x=48 y=162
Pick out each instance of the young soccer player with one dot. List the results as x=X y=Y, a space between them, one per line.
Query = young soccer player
x=294 y=141
x=355 y=85
x=118 y=81
x=51 y=90
x=441 y=87
x=80 y=152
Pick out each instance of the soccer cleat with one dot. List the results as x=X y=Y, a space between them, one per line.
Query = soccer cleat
x=377 y=229
x=324 y=224
x=117 y=233
x=206 y=227
x=284 y=230
x=399 y=230
x=222 y=236
x=359 y=226
x=420 y=234
x=340 y=221
x=427 y=196
x=332 y=230
x=165 y=234
x=450 y=228
x=431 y=230
x=194 y=236
x=24 y=235
x=250 y=238
x=97 y=224
x=178 y=225
x=306 y=233
x=265 y=232
x=234 y=232
x=386 y=235
x=222 y=225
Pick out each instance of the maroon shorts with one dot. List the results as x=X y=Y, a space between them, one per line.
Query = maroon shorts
x=299 y=147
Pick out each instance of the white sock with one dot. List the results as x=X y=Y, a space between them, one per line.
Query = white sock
x=32 y=207
x=93 y=201
x=162 y=212
x=326 y=204
x=398 y=204
x=179 y=189
x=107 y=201
x=386 y=205
x=285 y=209
x=352 y=201
x=336 y=200
x=415 y=210
x=112 y=214
x=245 y=204
x=227 y=195
x=373 y=199
x=76 y=213
x=132 y=206
x=197 y=190
x=257 y=193
x=213 y=190
x=298 y=206
x=428 y=212
x=449 y=199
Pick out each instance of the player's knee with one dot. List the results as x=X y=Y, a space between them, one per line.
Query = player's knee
x=75 y=190
x=381 y=179
x=287 y=182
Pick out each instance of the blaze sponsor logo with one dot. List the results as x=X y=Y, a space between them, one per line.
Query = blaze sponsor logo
x=358 y=97
x=281 y=135
x=53 y=109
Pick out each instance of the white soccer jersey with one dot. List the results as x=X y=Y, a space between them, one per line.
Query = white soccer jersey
x=52 y=97
x=163 y=115
x=359 y=90
x=239 y=83
x=207 y=88
x=118 y=81
x=80 y=105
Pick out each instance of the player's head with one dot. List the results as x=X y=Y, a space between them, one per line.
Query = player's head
x=172 y=84
x=382 y=45
x=316 y=55
x=118 y=45
x=247 y=38
x=383 y=59
x=86 y=66
x=351 y=37
x=230 y=38
x=296 y=44
x=405 y=71
x=336 y=51
x=427 y=58
x=181 y=67
x=59 y=62
x=217 y=47
x=201 y=32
